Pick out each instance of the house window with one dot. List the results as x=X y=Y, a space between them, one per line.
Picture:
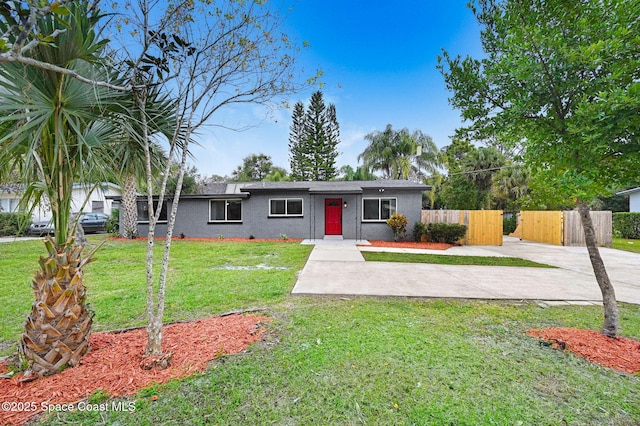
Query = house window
x=225 y=211
x=9 y=205
x=378 y=209
x=97 y=206
x=285 y=207
x=143 y=211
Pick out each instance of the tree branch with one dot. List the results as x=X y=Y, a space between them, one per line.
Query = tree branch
x=11 y=57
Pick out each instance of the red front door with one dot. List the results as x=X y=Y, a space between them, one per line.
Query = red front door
x=333 y=216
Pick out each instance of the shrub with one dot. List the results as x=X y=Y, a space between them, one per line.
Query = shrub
x=113 y=224
x=448 y=233
x=398 y=224
x=419 y=229
x=626 y=225
x=509 y=225
x=13 y=224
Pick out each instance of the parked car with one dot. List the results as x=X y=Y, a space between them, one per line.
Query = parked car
x=42 y=228
x=93 y=222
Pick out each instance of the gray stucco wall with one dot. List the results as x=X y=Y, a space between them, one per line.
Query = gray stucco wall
x=193 y=217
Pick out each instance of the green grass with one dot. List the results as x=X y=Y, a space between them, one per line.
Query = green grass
x=375 y=361
x=626 y=245
x=205 y=278
x=442 y=259
x=398 y=361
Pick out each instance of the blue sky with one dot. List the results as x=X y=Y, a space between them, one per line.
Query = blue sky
x=379 y=62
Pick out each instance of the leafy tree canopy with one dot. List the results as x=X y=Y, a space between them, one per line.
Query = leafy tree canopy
x=562 y=78
x=254 y=168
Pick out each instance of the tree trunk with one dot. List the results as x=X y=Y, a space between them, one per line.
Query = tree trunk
x=611 y=317
x=57 y=330
x=79 y=236
x=129 y=215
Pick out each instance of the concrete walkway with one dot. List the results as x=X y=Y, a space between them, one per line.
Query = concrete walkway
x=338 y=268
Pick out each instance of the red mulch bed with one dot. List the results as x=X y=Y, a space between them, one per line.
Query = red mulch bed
x=619 y=353
x=113 y=364
x=411 y=244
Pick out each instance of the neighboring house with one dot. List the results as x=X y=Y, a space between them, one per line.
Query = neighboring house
x=97 y=202
x=634 y=198
x=313 y=210
x=9 y=200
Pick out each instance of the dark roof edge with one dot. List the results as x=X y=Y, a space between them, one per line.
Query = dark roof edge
x=187 y=197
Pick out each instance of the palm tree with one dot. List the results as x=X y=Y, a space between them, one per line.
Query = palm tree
x=360 y=173
x=129 y=151
x=509 y=185
x=400 y=154
x=380 y=154
x=53 y=128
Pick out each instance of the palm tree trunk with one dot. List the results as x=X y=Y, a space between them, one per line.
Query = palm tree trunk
x=57 y=331
x=129 y=225
x=611 y=315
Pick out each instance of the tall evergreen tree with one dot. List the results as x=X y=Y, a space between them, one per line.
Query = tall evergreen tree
x=297 y=159
x=313 y=140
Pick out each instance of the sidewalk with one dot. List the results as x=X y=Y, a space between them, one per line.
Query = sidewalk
x=12 y=239
x=337 y=268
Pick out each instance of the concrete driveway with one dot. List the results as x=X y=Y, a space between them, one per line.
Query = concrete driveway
x=338 y=268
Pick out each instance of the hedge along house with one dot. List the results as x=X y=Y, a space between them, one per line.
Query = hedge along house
x=310 y=210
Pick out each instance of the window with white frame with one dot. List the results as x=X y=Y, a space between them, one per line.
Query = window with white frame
x=378 y=209
x=9 y=205
x=225 y=211
x=285 y=207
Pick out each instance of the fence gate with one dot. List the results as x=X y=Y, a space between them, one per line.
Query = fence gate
x=563 y=228
x=484 y=227
x=542 y=226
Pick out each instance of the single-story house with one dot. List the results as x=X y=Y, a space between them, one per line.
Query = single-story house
x=634 y=198
x=100 y=200
x=311 y=210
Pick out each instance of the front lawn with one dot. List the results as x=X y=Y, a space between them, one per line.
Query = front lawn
x=205 y=278
x=626 y=245
x=382 y=361
x=442 y=259
x=334 y=361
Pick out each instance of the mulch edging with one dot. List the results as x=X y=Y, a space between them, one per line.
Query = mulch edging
x=620 y=353
x=114 y=364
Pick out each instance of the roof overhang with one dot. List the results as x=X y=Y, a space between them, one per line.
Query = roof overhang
x=628 y=191
x=188 y=197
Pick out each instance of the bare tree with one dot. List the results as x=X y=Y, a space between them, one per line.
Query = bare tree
x=208 y=57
